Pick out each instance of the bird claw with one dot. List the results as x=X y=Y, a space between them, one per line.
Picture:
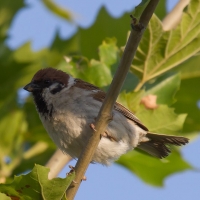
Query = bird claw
x=92 y=126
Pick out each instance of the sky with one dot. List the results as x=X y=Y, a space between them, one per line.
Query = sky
x=114 y=182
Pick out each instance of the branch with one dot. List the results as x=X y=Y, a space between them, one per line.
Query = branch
x=56 y=163
x=105 y=113
x=174 y=17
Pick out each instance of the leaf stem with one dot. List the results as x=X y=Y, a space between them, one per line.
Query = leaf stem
x=105 y=113
x=139 y=85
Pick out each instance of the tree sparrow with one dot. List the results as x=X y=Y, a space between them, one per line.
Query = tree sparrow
x=68 y=106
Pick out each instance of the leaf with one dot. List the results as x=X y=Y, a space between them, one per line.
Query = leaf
x=35 y=185
x=12 y=138
x=59 y=11
x=161 y=51
x=161 y=120
x=66 y=47
x=8 y=9
x=104 y=26
x=187 y=101
x=131 y=100
x=165 y=88
x=190 y=68
x=161 y=11
x=108 y=51
x=153 y=170
x=140 y=8
x=12 y=135
x=97 y=72
x=4 y=197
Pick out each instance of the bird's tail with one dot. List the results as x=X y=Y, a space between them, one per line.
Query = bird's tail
x=158 y=144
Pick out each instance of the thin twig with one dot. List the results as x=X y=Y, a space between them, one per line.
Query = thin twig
x=105 y=115
x=56 y=163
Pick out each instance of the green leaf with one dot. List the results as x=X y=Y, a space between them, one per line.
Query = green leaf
x=35 y=185
x=12 y=135
x=97 y=72
x=153 y=170
x=104 y=26
x=190 y=68
x=8 y=9
x=4 y=197
x=12 y=139
x=161 y=51
x=25 y=54
x=161 y=11
x=131 y=100
x=108 y=51
x=187 y=101
x=59 y=11
x=93 y=71
x=165 y=88
x=66 y=47
x=161 y=120
x=140 y=8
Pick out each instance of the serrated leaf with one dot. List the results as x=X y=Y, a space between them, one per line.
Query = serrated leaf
x=36 y=185
x=161 y=120
x=153 y=170
x=161 y=51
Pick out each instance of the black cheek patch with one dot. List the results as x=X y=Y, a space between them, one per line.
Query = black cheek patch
x=57 y=89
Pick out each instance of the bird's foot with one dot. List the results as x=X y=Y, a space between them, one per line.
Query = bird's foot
x=92 y=126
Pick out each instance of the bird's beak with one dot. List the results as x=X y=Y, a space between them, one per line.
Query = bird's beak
x=32 y=87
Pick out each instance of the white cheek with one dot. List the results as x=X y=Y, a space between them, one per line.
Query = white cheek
x=55 y=86
x=70 y=82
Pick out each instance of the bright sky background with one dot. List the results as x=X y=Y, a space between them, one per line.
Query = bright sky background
x=37 y=24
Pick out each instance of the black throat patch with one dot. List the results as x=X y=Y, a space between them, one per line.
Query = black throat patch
x=42 y=105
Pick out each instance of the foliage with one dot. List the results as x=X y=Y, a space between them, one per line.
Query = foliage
x=166 y=65
x=36 y=185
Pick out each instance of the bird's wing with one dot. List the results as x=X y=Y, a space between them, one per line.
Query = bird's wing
x=99 y=95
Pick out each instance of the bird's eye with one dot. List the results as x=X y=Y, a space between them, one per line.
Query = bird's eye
x=47 y=82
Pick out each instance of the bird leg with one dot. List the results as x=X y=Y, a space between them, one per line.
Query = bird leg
x=104 y=134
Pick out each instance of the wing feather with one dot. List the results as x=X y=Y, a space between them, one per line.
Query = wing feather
x=99 y=95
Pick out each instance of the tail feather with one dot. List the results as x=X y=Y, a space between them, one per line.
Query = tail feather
x=157 y=144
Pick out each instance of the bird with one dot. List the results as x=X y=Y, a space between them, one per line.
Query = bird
x=68 y=107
